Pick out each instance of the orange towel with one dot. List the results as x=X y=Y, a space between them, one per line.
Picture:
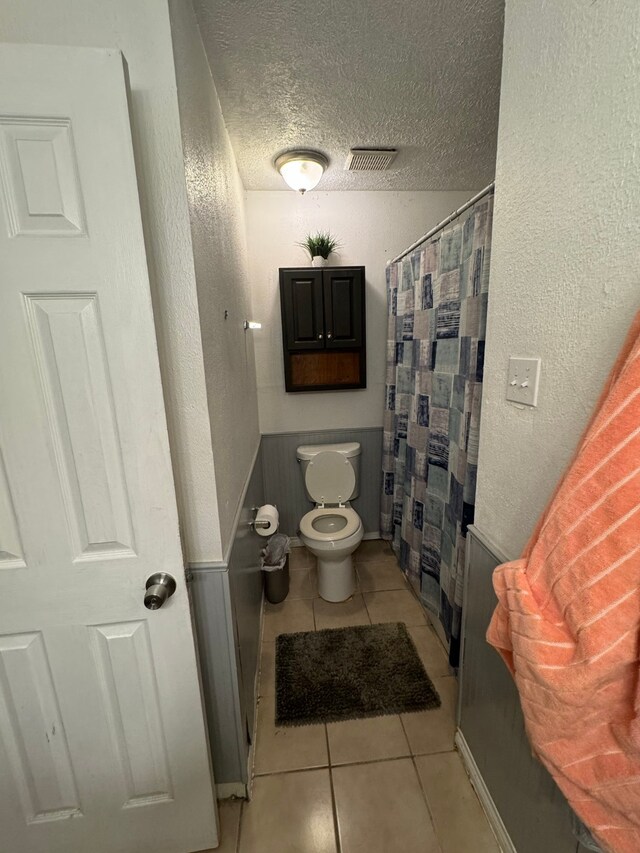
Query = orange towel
x=568 y=618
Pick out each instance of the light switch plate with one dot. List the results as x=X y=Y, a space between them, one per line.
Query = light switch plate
x=522 y=381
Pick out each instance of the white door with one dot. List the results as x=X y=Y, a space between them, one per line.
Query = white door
x=102 y=740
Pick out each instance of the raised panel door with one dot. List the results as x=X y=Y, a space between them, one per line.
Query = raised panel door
x=102 y=740
x=344 y=307
x=302 y=309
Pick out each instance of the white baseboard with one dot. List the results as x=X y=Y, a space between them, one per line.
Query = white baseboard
x=231 y=789
x=486 y=801
x=296 y=542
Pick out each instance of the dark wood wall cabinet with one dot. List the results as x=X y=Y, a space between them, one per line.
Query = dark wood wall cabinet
x=323 y=328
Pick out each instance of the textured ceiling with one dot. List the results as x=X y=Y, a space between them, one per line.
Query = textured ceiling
x=419 y=75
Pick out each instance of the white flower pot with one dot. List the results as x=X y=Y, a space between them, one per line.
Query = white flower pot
x=319 y=261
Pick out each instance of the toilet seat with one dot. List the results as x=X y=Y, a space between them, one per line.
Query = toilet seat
x=343 y=512
x=329 y=478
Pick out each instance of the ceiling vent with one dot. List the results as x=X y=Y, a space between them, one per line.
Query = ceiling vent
x=370 y=159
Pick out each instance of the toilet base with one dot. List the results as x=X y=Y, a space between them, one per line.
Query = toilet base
x=336 y=578
x=336 y=575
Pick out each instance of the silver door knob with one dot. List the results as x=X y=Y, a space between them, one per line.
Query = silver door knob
x=159 y=588
x=319 y=337
x=329 y=335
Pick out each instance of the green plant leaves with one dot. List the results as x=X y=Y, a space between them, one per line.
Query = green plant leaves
x=321 y=243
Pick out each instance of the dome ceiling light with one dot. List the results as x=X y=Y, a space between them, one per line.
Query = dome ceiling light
x=301 y=170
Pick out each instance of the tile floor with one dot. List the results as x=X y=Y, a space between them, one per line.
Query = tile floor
x=389 y=784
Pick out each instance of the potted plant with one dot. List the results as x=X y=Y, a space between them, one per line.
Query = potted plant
x=319 y=246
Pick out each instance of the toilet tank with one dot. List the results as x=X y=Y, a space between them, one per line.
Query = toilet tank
x=350 y=449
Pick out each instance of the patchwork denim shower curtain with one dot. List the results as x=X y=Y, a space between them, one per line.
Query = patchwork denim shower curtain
x=437 y=300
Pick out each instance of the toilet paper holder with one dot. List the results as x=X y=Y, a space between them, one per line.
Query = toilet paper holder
x=256 y=522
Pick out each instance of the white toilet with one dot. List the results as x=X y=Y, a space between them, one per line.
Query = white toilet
x=333 y=530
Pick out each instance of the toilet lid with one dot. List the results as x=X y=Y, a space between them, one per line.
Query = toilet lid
x=330 y=478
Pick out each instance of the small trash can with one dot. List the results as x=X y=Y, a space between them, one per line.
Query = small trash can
x=275 y=568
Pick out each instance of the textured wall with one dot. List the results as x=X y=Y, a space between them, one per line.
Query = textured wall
x=141 y=31
x=420 y=75
x=565 y=276
x=216 y=208
x=373 y=227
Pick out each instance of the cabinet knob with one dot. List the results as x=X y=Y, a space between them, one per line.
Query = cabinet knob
x=329 y=336
x=319 y=337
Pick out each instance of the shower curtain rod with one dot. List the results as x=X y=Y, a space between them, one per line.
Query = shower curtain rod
x=444 y=222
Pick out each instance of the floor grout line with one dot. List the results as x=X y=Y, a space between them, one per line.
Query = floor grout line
x=435 y=752
x=364 y=601
x=330 y=766
x=242 y=803
x=405 y=731
x=295 y=770
x=426 y=800
x=334 y=806
x=292 y=770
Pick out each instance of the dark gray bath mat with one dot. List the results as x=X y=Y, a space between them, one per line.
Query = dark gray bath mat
x=349 y=673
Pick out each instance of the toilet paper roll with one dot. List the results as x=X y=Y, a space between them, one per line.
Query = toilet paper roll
x=267 y=513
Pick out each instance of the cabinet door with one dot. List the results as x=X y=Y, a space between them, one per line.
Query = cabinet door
x=344 y=307
x=302 y=315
